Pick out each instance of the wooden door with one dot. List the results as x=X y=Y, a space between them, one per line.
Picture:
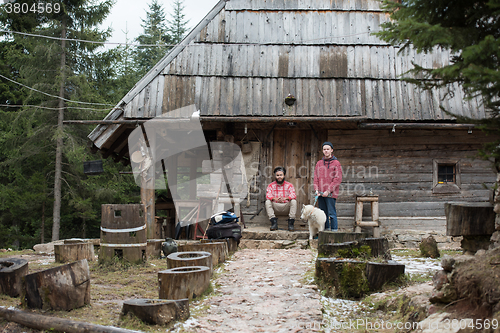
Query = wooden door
x=292 y=150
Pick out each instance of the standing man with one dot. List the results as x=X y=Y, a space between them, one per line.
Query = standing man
x=327 y=179
x=281 y=199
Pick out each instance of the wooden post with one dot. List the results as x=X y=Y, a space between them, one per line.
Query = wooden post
x=358 y=215
x=148 y=200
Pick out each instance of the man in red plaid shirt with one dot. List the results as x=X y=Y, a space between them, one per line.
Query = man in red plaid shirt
x=281 y=199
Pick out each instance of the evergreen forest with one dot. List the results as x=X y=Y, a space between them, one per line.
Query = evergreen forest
x=54 y=66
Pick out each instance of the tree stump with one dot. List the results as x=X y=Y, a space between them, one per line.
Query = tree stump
x=183 y=282
x=472 y=244
x=379 y=247
x=354 y=278
x=232 y=245
x=153 y=248
x=64 y=288
x=469 y=218
x=347 y=276
x=183 y=259
x=217 y=249
x=330 y=237
x=332 y=249
x=157 y=311
x=12 y=270
x=73 y=251
x=379 y=274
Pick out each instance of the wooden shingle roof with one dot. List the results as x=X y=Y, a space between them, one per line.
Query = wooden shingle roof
x=246 y=56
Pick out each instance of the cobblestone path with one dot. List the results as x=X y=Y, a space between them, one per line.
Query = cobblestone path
x=262 y=291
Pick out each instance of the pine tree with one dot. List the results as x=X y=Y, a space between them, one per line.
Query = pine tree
x=177 y=25
x=471 y=31
x=64 y=70
x=156 y=35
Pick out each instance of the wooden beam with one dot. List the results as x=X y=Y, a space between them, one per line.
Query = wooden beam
x=49 y=323
x=118 y=142
x=230 y=119
x=430 y=126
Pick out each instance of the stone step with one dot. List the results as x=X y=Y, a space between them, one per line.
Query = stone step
x=263 y=233
x=263 y=221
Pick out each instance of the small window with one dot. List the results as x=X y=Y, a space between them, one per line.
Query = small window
x=446 y=174
x=446 y=177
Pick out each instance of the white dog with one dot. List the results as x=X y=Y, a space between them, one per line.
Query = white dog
x=315 y=217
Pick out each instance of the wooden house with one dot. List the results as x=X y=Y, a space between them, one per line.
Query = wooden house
x=279 y=77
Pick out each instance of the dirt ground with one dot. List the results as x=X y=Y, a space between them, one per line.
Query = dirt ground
x=255 y=291
x=262 y=291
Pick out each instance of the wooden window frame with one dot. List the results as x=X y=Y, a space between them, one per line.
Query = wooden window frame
x=446 y=188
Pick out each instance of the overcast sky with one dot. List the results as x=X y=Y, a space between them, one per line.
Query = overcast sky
x=126 y=15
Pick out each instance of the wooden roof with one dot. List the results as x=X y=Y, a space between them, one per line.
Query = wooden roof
x=246 y=56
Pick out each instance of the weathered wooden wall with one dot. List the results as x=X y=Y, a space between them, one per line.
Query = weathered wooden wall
x=399 y=168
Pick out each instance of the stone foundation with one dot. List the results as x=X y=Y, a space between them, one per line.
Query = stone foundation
x=411 y=239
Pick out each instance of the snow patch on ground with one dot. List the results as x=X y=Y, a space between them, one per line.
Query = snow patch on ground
x=418 y=265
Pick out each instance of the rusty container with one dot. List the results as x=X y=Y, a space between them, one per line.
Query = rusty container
x=123 y=233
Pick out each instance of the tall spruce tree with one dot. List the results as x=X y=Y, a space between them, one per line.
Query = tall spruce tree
x=177 y=25
x=155 y=39
x=66 y=71
x=471 y=31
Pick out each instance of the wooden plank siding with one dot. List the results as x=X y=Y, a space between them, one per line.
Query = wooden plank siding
x=300 y=61
x=398 y=167
x=255 y=96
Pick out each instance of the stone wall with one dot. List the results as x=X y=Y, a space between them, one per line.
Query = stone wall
x=400 y=238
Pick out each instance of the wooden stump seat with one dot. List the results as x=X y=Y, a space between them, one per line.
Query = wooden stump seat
x=218 y=249
x=157 y=311
x=65 y=287
x=183 y=282
x=12 y=270
x=469 y=218
x=72 y=250
x=193 y=258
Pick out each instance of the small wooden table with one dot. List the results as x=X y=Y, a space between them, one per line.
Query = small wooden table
x=358 y=221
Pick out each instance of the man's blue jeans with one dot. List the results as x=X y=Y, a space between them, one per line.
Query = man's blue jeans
x=328 y=206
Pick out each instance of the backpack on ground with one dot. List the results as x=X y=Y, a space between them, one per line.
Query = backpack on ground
x=224 y=225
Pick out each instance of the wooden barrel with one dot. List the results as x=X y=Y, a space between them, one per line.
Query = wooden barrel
x=123 y=233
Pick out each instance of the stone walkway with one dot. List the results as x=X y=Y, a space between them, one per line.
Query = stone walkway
x=262 y=291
